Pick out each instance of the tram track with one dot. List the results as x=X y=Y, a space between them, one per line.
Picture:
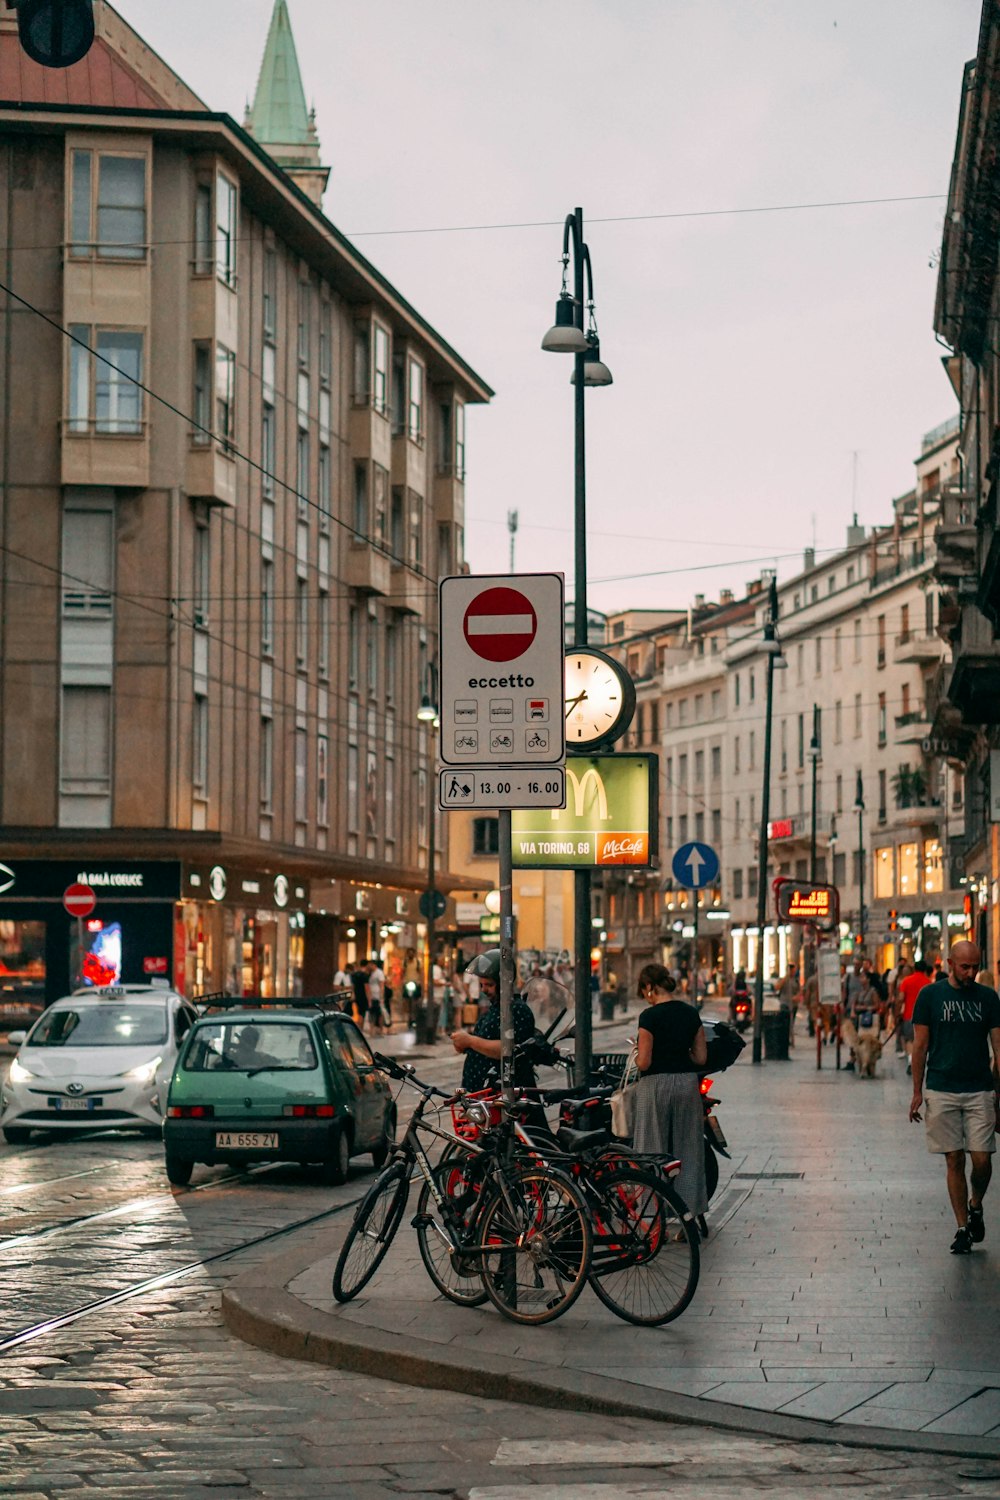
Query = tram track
x=166 y=1278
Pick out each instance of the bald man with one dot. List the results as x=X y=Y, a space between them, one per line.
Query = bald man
x=954 y=1023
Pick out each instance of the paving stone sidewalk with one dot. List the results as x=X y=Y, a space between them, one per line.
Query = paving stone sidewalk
x=827 y=1289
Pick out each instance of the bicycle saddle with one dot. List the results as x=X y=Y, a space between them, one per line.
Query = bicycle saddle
x=581 y=1140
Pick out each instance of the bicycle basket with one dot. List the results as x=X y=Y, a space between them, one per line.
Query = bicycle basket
x=475 y=1113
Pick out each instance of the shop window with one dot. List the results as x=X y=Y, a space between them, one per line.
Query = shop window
x=909 y=883
x=884 y=873
x=22 y=958
x=933 y=866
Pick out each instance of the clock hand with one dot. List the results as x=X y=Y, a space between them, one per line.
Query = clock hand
x=573 y=702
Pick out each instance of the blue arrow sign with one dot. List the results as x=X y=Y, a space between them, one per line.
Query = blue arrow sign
x=695 y=865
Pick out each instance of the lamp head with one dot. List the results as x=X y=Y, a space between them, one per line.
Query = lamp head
x=595 y=371
x=565 y=336
x=427 y=712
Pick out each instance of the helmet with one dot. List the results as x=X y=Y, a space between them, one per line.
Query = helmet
x=486 y=965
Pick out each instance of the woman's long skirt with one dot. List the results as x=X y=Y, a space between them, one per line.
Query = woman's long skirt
x=669 y=1121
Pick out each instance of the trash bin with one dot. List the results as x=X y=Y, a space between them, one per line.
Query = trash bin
x=427 y=1023
x=607 y=1005
x=777 y=1032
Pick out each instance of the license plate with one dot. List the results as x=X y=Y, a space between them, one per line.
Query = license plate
x=243 y=1140
x=82 y=1104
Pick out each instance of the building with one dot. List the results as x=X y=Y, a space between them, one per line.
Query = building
x=232 y=469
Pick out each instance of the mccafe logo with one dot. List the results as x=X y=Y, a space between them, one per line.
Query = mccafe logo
x=593 y=779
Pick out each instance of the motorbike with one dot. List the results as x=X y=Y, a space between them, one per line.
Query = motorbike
x=741 y=1011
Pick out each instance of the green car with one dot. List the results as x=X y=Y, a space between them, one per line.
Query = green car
x=276 y=1081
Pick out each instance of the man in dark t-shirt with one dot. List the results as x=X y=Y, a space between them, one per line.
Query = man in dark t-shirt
x=954 y=1023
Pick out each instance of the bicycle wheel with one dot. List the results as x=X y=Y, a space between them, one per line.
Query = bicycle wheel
x=646 y=1258
x=369 y=1237
x=536 y=1241
x=456 y=1277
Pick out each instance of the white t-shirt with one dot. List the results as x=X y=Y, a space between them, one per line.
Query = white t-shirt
x=438 y=982
x=376 y=984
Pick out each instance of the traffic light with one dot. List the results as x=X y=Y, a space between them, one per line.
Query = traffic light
x=55 y=33
x=894 y=921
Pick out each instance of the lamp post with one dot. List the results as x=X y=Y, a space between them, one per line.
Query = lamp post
x=813 y=753
x=859 y=808
x=427 y=713
x=772 y=648
x=569 y=336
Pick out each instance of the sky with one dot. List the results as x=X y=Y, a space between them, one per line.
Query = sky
x=773 y=371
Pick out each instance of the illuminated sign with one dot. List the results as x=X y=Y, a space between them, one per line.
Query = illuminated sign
x=610 y=818
x=806 y=901
x=782 y=828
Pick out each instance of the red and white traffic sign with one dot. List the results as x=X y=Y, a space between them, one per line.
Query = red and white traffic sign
x=79 y=899
x=502 y=676
x=500 y=624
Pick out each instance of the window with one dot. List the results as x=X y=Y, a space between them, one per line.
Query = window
x=416 y=532
x=752 y=881
x=813 y=593
x=266 y=608
x=752 y=757
x=415 y=403
x=752 y=684
x=305 y=312
x=884 y=873
x=800 y=758
x=391 y=662
x=699 y=825
x=933 y=866
x=381 y=506
x=361 y=502
x=716 y=701
x=857 y=640
x=302 y=474
x=301 y=774
x=270 y=294
x=857 y=716
x=225 y=229
x=445 y=438
x=371 y=655
x=736 y=754
x=716 y=762
x=881 y=720
x=881 y=796
x=699 y=766
x=325 y=480
x=904 y=624
x=836 y=648
x=682 y=711
x=225 y=395
x=202 y=574
x=683 y=825
x=699 y=707
x=838 y=722
x=682 y=771
x=323 y=633
x=322 y=780
x=119 y=213
x=380 y=373
x=716 y=826
x=850 y=575
x=444 y=549
x=737 y=884
x=908 y=881
x=353 y=645
x=784 y=746
x=398 y=393
x=880 y=657
x=85 y=753
x=459 y=441
x=819 y=653
x=202 y=431
x=840 y=869
x=736 y=690
x=301 y=623
x=362 y=364
x=204 y=239
x=831 y=583
x=325 y=343
x=397 y=526
x=199 y=745
x=839 y=784
x=267 y=451
x=103 y=394
x=799 y=663
x=88 y=562
x=266 y=765
x=486 y=836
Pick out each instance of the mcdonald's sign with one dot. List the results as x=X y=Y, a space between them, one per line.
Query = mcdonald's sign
x=610 y=817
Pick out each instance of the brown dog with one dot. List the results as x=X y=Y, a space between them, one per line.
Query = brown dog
x=866 y=1046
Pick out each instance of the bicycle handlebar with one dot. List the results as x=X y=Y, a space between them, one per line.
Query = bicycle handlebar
x=408 y=1074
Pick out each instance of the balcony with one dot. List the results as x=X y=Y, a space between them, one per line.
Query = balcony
x=912 y=646
x=924 y=816
x=105 y=459
x=210 y=474
x=410 y=595
x=911 y=728
x=409 y=462
x=367 y=569
x=974 y=686
x=955 y=538
x=449 y=494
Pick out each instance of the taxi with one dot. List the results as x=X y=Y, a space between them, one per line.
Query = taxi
x=268 y=1080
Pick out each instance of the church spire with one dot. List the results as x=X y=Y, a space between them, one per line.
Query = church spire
x=279 y=118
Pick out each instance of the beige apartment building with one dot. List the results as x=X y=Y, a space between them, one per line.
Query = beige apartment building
x=232 y=470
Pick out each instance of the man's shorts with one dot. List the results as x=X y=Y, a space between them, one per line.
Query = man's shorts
x=960 y=1122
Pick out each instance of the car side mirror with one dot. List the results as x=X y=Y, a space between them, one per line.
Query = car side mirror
x=16 y=1038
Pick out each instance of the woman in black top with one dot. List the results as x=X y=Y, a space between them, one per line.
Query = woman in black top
x=668 y=1117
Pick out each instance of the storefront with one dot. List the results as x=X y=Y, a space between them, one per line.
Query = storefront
x=240 y=931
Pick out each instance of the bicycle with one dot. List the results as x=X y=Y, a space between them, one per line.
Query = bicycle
x=521 y=1227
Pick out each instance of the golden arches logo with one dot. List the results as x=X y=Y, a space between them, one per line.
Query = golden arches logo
x=579 y=785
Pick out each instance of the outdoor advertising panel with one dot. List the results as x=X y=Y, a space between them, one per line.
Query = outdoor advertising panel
x=610 y=818
x=807 y=901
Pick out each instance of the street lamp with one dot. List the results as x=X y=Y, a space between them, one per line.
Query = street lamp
x=427 y=713
x=859 y=808
x=568 y=336
x=772 y=648
x=813 y=754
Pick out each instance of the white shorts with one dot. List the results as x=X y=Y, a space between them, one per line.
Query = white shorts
x=960 y=1122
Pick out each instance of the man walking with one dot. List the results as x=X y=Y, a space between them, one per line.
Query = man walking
x=954 y=1022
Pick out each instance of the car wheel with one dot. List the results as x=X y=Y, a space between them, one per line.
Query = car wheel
x=334 y=1170
x=16 y=1135
x=178 y=1170
x=380 y=1155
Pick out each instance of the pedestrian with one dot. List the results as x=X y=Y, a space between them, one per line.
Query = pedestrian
x=788 y=999
x=669 y=1119
x=439 y=994
x=359 y=983
x=954 y=1023
x=985 y=977
x=377 y=1016
x=481 y=1045
x=909 y=988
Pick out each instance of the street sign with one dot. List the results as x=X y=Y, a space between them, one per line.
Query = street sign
x=809 y=902
x=507 y=786
x=502 y=674
x=828 y=969
x=432 y=902
x=695 y=865
x=79 y=899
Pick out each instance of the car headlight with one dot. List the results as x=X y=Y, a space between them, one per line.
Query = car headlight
x=19 y=1073
x=145 y=1073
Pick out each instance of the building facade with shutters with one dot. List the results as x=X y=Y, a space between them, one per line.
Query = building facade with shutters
x=232 y=470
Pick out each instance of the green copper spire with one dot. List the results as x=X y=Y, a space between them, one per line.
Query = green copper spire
x=279 y=118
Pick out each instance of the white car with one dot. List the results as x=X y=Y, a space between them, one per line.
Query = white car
x=97 y=1059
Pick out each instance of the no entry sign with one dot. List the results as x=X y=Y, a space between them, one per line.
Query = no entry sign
x=79 y=900
x=500 y=624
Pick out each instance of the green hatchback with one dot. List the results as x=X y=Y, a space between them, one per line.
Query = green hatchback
x=276 y=1081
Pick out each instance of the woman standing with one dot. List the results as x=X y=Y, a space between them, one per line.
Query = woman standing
x=671 y=1049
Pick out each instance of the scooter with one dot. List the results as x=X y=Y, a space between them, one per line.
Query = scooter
x=741 y=1012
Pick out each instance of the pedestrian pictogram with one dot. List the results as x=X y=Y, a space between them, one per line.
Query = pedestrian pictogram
x=79 y=899
x=695 y=865
x=500 y=624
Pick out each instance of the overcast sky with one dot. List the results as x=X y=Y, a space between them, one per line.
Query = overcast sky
x=753 y=354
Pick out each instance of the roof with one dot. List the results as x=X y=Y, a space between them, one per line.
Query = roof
x=279 y=115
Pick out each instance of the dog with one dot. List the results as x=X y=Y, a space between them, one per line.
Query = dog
x=866 y=1045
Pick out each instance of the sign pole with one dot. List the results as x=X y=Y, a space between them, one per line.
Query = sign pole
x=506 y=958
x=695 y=957
x=79 y=952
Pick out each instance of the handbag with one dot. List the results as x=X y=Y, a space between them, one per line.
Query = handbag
x=623 y=1101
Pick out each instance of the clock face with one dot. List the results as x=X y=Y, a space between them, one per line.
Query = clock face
x=600 y=698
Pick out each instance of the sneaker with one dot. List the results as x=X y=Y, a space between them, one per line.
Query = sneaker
x=977 y=1229
x=962 y=1243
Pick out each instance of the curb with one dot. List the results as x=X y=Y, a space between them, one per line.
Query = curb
x=257 y=1308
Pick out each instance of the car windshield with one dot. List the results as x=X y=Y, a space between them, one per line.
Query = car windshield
x=250 y=1046
x=97 y=1025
